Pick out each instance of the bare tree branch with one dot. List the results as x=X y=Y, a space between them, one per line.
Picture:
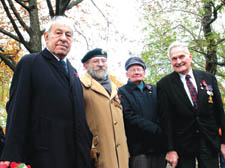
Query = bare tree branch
x=82 y=36
x=12 y=21
x=50 y=8
x=16 y=13
x=9 y=62
x=101 y=13
x=10 y=35
x=61 y=6
x=22 y=4
x=73 y=3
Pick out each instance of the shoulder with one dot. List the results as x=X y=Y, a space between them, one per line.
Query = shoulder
x=167 y=78
x=203 y=74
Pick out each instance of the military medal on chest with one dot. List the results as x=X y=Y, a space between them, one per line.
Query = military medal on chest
x=209 y=90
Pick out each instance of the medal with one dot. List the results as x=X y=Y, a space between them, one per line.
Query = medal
x=210 y=99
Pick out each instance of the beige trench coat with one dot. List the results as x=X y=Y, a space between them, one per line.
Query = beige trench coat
x=105 y=119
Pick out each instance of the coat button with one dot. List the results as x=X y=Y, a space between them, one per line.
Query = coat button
x=117 y=145
x=197 y=131
x=115 y=122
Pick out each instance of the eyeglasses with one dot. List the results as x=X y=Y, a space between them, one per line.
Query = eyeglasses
x=97 y=61
x=133 y=70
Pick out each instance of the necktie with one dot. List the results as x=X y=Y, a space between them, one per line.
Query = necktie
x=192 y=91
x=63 y=63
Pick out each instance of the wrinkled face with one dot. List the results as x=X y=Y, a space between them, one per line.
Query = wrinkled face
x=59 y=39
x=135 y=73
x=180 y=60
x=97 y=67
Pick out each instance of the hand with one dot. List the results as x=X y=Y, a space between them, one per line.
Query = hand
x=172 y=158
x=222 y=148
x=4 y=164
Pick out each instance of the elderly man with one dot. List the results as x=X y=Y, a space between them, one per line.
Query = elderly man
x=103 y=113
x=46 y=124
x=193 y=113
x=139 y=101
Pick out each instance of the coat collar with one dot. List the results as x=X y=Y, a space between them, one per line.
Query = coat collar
x=91 y=83
x=133 y=86
x=180 y=88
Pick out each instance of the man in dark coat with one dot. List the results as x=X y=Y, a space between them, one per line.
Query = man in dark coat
x=193 y=113
x=139 y=101
x=46 y=125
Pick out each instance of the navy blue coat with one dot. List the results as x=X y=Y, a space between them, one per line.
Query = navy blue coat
x=184 y=124
x=46 y=125
x=140 y=118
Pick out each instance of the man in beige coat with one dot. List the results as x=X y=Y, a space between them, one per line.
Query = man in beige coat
x=103 y=113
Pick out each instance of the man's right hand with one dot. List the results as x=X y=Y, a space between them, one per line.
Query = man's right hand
x=4 y=164
x=172 y=158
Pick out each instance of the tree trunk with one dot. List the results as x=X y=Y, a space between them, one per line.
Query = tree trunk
x=211 y=53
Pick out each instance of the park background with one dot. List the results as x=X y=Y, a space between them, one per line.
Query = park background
x=142 y=28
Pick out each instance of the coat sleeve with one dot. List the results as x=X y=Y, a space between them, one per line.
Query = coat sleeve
x=165 y=116
x=219 y=109
x=18 y=109
x=131 y=118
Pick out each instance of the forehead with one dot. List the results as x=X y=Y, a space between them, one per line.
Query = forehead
x=178 y=50
x=135 y=66
x=98 y=57
x=61 y=26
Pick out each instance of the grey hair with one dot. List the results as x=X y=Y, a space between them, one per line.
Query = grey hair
x=178 y=44
x=59 y=19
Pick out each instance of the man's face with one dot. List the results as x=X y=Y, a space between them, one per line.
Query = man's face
x=59 y=39
x=97 y=67
x=180 y=60
x=135 y=73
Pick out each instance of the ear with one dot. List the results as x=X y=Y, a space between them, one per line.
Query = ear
x=127 y=74
x=46 y=36
x=85 y=66
x=190 y=55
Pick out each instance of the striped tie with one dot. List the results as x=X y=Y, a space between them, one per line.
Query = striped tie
x=192 y=91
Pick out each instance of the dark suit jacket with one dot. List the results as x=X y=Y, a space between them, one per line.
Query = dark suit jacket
x=182 y=123
x=46 y=125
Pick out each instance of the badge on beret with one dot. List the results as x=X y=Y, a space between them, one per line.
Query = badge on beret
x=102 y=52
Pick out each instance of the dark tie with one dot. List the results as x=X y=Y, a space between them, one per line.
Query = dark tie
x=63 y=63
x=192 y=91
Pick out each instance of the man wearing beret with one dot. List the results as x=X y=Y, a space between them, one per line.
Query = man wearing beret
x=103 y=113
x=139 y=101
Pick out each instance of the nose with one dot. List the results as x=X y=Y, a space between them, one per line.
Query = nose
x=63 y=36
x=178 y=60
x=100 y=63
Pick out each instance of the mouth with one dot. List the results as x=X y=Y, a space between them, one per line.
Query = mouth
x=62 y=46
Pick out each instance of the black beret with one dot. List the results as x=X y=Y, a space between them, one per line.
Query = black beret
x=134 y=61
x=93 y=53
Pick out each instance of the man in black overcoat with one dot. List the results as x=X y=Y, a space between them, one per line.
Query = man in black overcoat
x=191 y=119
x=46 y=125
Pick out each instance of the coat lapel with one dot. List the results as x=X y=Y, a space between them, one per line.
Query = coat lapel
x=89 y=82
x=56 y=67
x=179 y=89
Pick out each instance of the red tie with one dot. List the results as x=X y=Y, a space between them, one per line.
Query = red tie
x=192 y=91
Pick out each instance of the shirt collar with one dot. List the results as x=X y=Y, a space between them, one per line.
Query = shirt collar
x=56 y=56
x=189 y=73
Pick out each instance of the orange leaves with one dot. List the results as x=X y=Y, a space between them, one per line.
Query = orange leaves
x=116 y=81
x=11 y=49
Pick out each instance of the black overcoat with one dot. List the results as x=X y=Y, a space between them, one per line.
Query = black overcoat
x=183 y=124
x=46 y=125
x=141 y=118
